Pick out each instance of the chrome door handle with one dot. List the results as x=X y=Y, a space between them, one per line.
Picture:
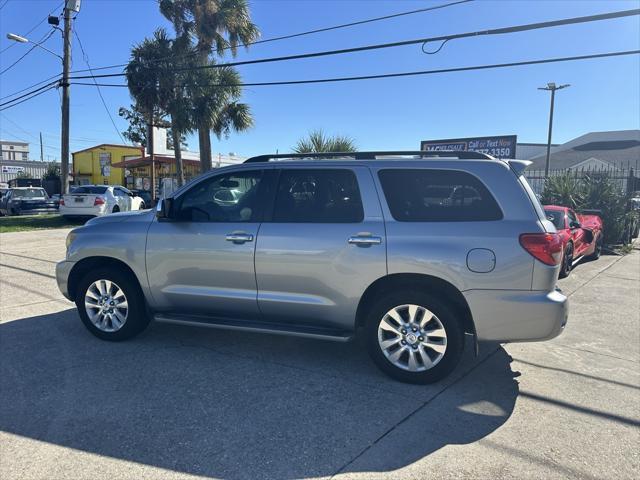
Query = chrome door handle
x=364 y=240
x=239 y=237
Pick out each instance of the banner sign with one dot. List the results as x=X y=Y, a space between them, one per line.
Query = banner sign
x=499 y=147
x=12 y=169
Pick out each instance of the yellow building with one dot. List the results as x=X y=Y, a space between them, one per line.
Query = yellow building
x=95 y=165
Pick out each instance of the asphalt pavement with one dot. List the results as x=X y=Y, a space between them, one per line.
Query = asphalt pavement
x=180 y=402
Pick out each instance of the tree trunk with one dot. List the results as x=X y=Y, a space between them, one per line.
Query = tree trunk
x=177 y=148
x=204 y=140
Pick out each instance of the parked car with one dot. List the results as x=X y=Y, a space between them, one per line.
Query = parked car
x=26 y=201
x=322 y=248
x=581 y=235
x=98 y=200
x=145 y=195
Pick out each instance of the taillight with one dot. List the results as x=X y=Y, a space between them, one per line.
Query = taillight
x=61 y=201
x=98 y=201
x=546 y=247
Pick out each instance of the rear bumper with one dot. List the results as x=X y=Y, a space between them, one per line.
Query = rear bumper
x=516 y=315
x=83 y=211
x=63 y=269
x=36 y=211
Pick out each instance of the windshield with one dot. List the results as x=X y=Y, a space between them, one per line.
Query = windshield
x=556 y=217
x=90 y=189
x=29 y=193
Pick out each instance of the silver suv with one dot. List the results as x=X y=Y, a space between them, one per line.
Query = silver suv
x=414 y=249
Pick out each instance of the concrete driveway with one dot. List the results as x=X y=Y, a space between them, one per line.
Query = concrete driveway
x=183 y=403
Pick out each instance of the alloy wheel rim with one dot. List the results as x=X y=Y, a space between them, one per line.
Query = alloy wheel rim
x=106 y=305
x=412 y=338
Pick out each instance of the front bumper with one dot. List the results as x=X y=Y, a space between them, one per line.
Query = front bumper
x=516 y=315
x=63 y=269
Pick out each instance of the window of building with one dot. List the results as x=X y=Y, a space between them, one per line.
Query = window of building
x=318 y=196
x=426 y=195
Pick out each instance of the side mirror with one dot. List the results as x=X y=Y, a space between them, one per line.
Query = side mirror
x=575 y=225
x=164 y=209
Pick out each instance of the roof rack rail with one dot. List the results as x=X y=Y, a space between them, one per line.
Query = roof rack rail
x=463 y=155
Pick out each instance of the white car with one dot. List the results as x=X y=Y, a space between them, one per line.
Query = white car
x=98 y=200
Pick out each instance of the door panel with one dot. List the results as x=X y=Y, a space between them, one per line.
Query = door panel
x=192 y=267
x=316 y=271
x=203 y=261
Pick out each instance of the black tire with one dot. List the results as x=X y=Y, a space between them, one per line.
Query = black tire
x=567 y=261
x=137 y=318
x=598 y=251
x=142 y=206
x=448 y=319
x=116 y=209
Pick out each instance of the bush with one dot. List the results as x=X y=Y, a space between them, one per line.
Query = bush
x=593 y=191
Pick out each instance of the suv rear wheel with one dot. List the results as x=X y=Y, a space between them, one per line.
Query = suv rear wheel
x=414 y=337
x=110 y=304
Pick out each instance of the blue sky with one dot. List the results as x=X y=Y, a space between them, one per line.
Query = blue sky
x=378 y=114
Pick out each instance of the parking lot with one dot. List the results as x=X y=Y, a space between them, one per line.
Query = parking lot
x=185 y=403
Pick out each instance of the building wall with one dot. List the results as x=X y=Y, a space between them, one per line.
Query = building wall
x=14 y=151
x=93 y=166
x=10 y=170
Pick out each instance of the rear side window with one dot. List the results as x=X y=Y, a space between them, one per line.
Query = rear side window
x=318 y=196
x=424 y=195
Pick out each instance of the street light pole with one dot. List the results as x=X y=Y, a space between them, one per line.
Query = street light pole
x=552 y=87
x=66 y=65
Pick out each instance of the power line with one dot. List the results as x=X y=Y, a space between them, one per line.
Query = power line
x=32 y=86
x=4 y=4
x=408 y=74
x=28 y=98
x=104 y=103
x=495 y=31
x=42 y=40
x=309 y=32
x=436 y=7
x=48 y=85
x=12 y=44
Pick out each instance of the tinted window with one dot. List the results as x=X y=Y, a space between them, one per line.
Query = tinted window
x=223 y=198
x=571 y=216
x=90 y=189
x=423 y=195
x=556 y=217
x=30 y=193
x=318 y=196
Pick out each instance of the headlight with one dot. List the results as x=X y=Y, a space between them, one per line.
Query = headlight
x=70 y=238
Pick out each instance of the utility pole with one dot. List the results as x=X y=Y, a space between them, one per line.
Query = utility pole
x=151 y=152
x=41 y=149
x=66 y=66
x=552 y=87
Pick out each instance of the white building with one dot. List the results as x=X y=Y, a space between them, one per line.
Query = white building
x=14 y=151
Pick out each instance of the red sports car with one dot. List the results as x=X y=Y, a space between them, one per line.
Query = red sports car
x=581 y=235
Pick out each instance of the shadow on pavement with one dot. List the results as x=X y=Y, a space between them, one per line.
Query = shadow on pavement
x=231 y=404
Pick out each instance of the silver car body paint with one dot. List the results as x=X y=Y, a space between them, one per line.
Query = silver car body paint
x=306 y=273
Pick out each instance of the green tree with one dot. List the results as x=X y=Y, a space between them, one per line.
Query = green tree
x=157 y=84
x=318 y=142
x=52 y=172
x=137 y=130
x=216 y=26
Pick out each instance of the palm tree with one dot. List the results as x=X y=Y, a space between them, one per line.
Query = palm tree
x=217 y=25
x=157 y=85
x=318 y=142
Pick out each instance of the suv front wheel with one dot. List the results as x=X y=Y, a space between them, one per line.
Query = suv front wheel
x=110 y=304
x=414 y=337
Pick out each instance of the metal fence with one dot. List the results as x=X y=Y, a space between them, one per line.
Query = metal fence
x=625 y=175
